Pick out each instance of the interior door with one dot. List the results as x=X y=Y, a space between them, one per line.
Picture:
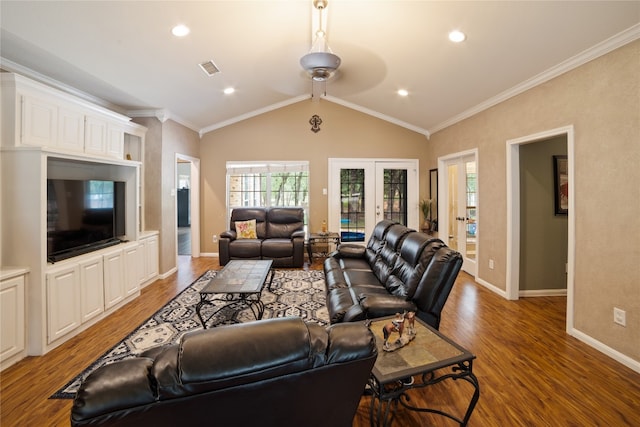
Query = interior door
x=461 y=204
x=364 y=192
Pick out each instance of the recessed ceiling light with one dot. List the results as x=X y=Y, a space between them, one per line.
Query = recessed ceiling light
x=180 y=30
x=403 y=92
x=457 y=36
x=229 y=91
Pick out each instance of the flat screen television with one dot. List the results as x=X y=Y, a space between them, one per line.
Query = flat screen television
x=83 y=216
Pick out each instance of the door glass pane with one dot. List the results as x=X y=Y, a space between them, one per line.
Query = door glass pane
x=452 y=208
x=471 y=199
x=352 y=207
x=394 y=202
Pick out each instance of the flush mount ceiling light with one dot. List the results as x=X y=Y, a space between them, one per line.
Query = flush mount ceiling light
x=403 y=92
x=457 y=36
x=180 y=30
x=320 y=63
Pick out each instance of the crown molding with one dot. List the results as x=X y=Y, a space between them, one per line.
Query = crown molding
x=163 y=115
x=13 y=67
x=627 y=36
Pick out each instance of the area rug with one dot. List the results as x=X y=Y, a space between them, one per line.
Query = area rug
x=293 y=293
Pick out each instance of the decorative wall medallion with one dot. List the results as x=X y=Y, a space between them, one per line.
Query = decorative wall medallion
x=315 y=122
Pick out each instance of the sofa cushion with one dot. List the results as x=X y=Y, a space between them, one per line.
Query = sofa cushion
x=245 y=248
x=246 y=229
x=277 y=248
x=283 y=222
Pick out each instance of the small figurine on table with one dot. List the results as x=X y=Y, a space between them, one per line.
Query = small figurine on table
x=404 y=325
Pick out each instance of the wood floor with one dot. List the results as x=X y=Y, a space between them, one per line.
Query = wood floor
x=531 y=372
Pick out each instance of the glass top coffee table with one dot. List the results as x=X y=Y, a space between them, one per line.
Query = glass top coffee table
x=428 y=352
x=240 y=281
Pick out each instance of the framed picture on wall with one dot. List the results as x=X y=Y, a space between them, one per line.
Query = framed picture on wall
x=561 y=184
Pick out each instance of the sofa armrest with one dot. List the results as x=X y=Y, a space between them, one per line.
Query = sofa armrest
x=349 y=251
x=229 y=234
x=379 y=305
x=298 y=234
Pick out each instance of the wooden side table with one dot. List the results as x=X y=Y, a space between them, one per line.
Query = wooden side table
x=322 y=243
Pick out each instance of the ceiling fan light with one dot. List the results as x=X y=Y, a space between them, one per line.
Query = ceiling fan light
x=320 y=65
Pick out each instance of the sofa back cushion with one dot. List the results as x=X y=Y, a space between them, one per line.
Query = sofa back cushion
x=282 y=222
x=409 y=266
x=376 y=241
x=437 y=281
x=386 y=258
x=246 y=214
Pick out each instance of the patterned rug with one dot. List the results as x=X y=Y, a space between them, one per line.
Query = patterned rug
x=293 y=293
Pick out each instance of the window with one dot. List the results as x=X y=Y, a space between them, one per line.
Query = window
x=266 y=184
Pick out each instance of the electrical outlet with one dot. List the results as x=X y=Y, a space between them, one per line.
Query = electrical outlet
x=491 y=264
x=215 y=238
x=619 y=316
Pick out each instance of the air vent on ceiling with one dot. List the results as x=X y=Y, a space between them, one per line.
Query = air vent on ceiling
x=210 y=68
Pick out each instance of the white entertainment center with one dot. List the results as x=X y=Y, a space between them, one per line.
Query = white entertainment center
x=51 y=134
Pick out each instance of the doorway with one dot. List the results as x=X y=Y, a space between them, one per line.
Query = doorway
x=458 y=197
x=187 y=178
x=514 y=215
x=363 y=192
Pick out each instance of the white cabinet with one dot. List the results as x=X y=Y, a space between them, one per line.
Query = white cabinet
x=91 y=288
x=71 y=130
x=115 y=141
x=113 y=278
x=48 y=118
x=63 y=301
x=39 y=122
x=151 y=254
x=12 y=326
x=95 y=135
x=133 y=268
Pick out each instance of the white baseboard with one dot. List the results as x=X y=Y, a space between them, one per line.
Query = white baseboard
x=603 y=348
x=491 y=287
x=168 y=273
x=543 y=293
x=209 y=254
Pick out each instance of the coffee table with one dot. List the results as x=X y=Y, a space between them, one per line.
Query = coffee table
x=240 y=281
x=429 y=352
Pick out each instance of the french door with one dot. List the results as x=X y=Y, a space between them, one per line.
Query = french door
x=363 y=192
x=459 y=229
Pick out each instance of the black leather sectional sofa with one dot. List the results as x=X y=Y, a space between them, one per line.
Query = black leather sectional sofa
x=399 y=270
x=277 y=372
x=279 y=236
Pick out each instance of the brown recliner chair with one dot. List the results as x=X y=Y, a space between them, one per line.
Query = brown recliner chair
x=277 y=372
x=279 y=236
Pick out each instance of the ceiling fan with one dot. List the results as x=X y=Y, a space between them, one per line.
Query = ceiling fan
x=320 y=63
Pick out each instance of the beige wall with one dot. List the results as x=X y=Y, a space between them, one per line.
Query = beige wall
x=285 y=134
x=163 y=141
x=601 y=99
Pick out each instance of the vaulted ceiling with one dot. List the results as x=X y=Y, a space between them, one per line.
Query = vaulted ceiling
x=123 y=52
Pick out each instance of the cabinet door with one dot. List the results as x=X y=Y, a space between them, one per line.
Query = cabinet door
x=115 y=142
x=11 y=317
x=133 y=269
x=92 y=288
x=113 y=279
x=70 y=130
x=151 y=257
x=95 y=136
x=63 y=302
x=39 y=122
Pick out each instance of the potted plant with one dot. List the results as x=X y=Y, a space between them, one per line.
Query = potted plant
x=425 y=207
